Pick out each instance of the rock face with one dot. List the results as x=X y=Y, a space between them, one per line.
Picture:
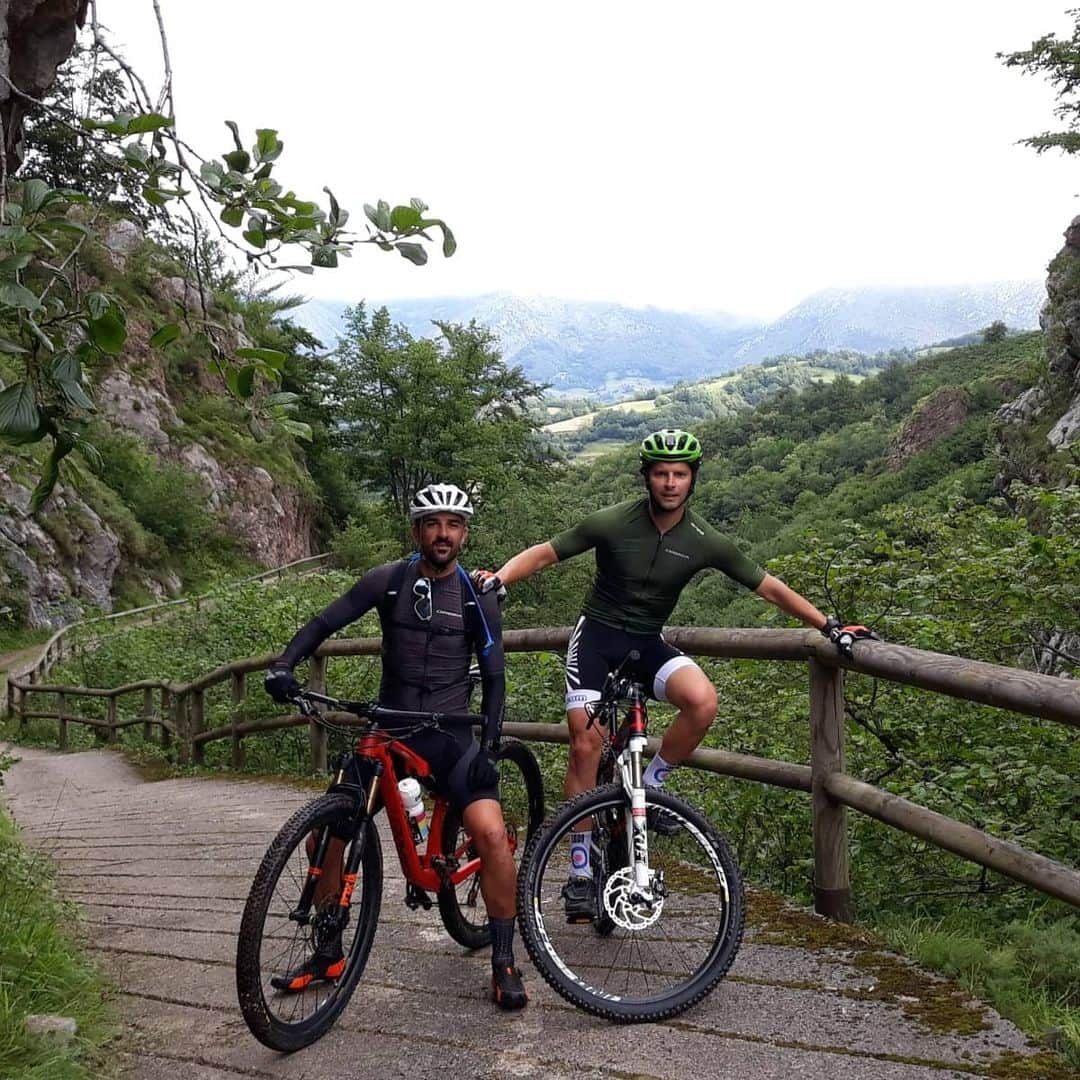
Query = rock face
x=1060 y=320
x=66 y=560
x=938 y=417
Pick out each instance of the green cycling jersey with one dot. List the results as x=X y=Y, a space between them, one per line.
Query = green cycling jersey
x=641 y=571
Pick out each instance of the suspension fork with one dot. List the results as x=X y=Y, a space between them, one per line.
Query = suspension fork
x=364 y=810
x=633 y=783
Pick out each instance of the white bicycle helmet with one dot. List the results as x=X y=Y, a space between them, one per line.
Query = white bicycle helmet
x=438 y=499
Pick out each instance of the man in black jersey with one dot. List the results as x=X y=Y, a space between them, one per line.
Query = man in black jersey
x=647 y=550
x=432 y=619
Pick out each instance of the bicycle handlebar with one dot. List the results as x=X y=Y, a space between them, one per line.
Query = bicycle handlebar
x=372 y=710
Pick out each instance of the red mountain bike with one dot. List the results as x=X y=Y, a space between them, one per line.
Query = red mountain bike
x=283 y=924
x=668 y=896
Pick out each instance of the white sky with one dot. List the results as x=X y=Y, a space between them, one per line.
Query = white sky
x=689 y=155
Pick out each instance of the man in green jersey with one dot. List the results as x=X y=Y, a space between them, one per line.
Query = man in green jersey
x=647 y=550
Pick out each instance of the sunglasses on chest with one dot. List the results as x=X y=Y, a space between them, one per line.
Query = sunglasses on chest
x=422 y=603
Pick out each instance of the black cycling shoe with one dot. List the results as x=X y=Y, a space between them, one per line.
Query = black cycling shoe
x=579 y=899
x=326 y=964
x=507 y=989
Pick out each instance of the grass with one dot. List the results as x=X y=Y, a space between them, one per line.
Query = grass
x=1029 y=969
x=23 y=637
x=42 y=971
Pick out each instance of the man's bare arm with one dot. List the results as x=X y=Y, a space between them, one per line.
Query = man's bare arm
x=788 y=600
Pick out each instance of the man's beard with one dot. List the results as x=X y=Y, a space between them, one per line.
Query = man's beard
x=656 y=507
x=440 y=562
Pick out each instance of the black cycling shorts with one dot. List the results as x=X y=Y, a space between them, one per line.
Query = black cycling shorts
x=449 y=752
x=596 y=649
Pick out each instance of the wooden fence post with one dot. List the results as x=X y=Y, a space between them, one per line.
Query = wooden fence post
x=239 y=688
x=11 y=696
x=110 y=716
x=832 y=887
x=316 y=732
x=196 y=723
x=61 y=708
x=166 y=714
x=21 y=702
x=147 y=712
x=183 y=736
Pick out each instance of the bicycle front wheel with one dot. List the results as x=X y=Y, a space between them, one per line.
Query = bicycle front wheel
x=636 y=962
x=276 y=938
x=521 y=793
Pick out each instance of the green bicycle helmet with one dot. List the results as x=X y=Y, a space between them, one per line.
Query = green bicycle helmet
x=670 y=444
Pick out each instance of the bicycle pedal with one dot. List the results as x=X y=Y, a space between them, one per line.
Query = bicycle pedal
x=415 y=897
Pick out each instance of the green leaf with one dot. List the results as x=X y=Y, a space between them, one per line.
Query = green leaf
x=415 y=253
x=20 y=420
x=282 y=397
x=449 y=244
x=325 y=255
x=18 y=296
x=273 y=357
x=14 y=262
x=239 y=160
x=35 y=195
x=64 y=225
x=108 y=333
x=404 y=218
x=139 y=125
x=232 y=215
x=241 y=381
x=268 y=146
x=92 y=455
x=418 y=205
x=164 y=335
x=296 y=428
x=335 y=209
x=97 y=304
x=255 y=238
x=50 y=472
x=11 y=348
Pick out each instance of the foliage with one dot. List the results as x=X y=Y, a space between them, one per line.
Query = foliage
x=408 y=411
x=1058 y=60
x=61 y=327
x=41 y=971
x=996 y=331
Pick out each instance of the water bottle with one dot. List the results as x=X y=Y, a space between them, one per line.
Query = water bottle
x=412 y=797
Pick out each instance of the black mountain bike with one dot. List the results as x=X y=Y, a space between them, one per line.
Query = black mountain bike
x=669 y=902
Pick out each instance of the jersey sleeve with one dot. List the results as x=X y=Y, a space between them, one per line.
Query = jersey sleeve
x=724 y=555
x=361 y=598
x=492 y=669
x=586 y=534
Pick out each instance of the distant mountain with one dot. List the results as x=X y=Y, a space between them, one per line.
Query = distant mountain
x=610 y=351
x=873 y=319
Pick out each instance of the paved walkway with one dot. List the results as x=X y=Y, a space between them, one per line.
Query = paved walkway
x=161 y=871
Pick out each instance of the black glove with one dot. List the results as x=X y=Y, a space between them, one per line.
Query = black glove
x=483 y=772
x=280 y=683
x=843 y=637
x=484 y=581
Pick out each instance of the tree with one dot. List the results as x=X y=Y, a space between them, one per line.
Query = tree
x=1059 y=61
x=413 y=410
x=59 y=326
x=996 y=331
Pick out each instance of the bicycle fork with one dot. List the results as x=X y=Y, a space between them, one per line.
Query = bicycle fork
x=632 y=772
x=350 y=871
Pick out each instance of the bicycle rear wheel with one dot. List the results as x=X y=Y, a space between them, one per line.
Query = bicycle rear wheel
x=635 y=963
x=274 y=940
x=521 y=793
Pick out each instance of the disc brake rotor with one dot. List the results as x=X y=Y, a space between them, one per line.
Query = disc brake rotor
x=624 y=904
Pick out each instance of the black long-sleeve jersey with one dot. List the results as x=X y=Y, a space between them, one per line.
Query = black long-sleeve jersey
x=425 y=664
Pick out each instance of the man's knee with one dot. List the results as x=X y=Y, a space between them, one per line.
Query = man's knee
x=585 y=742
x=695 y=697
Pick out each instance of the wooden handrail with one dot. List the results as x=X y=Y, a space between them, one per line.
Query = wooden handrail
x=182 y=714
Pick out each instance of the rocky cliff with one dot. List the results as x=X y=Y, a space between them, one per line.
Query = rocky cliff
x=89 y=546
x=1055 y=400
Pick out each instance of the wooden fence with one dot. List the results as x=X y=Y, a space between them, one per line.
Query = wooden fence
x=179 y=712
x=60 y=644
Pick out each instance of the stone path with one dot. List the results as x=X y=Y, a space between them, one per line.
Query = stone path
x=160 y=871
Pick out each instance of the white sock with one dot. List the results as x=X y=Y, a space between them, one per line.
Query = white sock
x=580 y=843
x=657 y=772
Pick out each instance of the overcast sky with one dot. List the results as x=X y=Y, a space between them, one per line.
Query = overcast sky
x=689 y=155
